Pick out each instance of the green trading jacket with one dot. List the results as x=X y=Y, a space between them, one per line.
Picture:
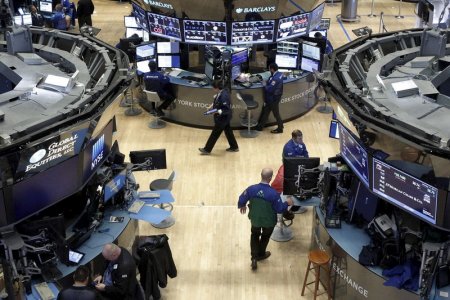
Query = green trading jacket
x=261 y=213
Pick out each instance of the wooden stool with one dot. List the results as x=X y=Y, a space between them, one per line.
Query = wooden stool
x=318 y=259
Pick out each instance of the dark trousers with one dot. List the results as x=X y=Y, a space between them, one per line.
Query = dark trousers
x=275 y=109
x=84 y=20
x=217 y=131
x=259 y=240
x=166 y=95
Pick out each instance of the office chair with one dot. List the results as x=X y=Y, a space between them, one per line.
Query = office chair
x=156 y=123
x=164 y=184
x=247 y=121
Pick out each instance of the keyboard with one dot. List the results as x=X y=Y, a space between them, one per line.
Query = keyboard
x=136 y=206
x=192 y=78
x=45 y=293
x=150 y=195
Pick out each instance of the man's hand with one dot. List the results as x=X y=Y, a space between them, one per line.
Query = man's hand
x=100 y=286
x=98 y=279
x=290 y=201
x=243 y=209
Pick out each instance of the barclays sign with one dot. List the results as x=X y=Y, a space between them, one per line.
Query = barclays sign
x=159 y=4
x=259 y=9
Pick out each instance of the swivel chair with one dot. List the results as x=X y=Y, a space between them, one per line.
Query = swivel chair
x=282 y=232
x=156 y=123
x=164 y=184
x=310 y=78
x=320 y=94
x=247 y=121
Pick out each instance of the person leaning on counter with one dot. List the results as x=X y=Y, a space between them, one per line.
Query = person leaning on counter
x=157 y=82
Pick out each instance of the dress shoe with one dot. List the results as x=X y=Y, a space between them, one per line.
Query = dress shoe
x=266 y=255
x=159 y=112
x=258 y=128
x=254 y=264
x=203 y=151
x=232 y=149
x=276 y=131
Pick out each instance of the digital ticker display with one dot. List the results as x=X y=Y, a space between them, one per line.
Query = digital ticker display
x=405 y=191
x=354 y=154
x=292 y=26
x=252 y=32
x=205 y=32
x=164 y=26
x=141 y=18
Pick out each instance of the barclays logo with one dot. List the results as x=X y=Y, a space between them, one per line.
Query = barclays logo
x=159 y=4
x=260 y=9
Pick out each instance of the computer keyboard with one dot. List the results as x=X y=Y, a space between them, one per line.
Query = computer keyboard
x=149 y=194
x=44 y=291
x=193 y=78
x=136 y=206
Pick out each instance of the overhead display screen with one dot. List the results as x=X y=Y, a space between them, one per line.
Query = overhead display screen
x=315 y=16
x=405 y=191
x=293 y=26
x=141 y=18
x=205 y=32
x=252 y=32
x=164 y=26
x=354 y=154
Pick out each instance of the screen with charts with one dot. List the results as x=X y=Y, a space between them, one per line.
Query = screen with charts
x=405 y=191
x=164 y=26
x=168 y=61
x=252 y=32
x=205 y=32
x=130 y=22
x=286 y=61
x=315 y=16
x=311 y=51
x=287 y=47
x=45 y=7
x=324 y=24
x=141 y=18
x=239 y=57
x=293 y=26
x=168 y=47
x=309 y=65
x=354 y=154
x=145 y=51
x=142 y=66
x=141 y=33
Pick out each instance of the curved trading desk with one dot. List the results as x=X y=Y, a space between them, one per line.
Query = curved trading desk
x=193 y=99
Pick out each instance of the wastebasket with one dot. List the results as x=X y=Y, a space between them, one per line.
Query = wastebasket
x=348 y=11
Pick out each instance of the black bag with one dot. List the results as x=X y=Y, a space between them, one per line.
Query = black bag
x=392 y=253
x=370 y=255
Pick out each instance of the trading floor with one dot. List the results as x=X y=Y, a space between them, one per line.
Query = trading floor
x=210 y=241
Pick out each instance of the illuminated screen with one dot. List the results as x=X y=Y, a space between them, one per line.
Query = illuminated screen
x=354 y=154
x=142 y=66
x=45 y=6
x=235 y=71
x=168 y=47
x=311 y=51
x=315 y=16
x=141 y=18
x=323 y=32
x=130 y=22
x=405 y=191
x=309 y=64
x=145 y=51
x=239 y=57
x=114 y=186
x=286 y=61
x=287 y=47
x=18 y=20
x=131 y=31
x=252 y=32
x=293 y=26
x=205 y=32
x=168 y=61
x=164 y=26
x=334 y=129
x=27 y=20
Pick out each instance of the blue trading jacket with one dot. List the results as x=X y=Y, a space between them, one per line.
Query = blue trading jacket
x=274 y=87
x=292 y=149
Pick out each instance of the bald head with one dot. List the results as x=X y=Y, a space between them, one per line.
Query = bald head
x=111 y=251
x=266 y=175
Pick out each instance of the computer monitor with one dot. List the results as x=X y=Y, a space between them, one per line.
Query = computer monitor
x=292 y=26
x=129 y=32
x=152 y=159
x=145 y=51
x=286 y=61
x=313 y=33
x=364 y=203
x=168 y=47
x=18 y=20
x=334 y=129
x=26 y=19
x=315 y=16
x=142 y=66
x=256 y=32
x=311 y=50
x=164 y=26
x=205 y=32
x=168 y=61
x=130 y=22
x=239 y=57
x=209 y=70
x=235 y=71
x=309 y=65
x=287 y=47
x=141 y=16
x=114 y=186
x=45 y=7
x=301 y=176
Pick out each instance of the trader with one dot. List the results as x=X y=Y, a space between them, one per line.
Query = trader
x=295 y=146
x=264 y=205
x=59 y=19
x=157 y=82
x=36 y=18
x=85 y=9
x=222 y=118
x=273 y=91
x=119 y=278
x=80 y=288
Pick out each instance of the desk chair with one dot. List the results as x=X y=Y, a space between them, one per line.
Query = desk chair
x=250 y=105
x=310 y=78
x=156 y=123
x=164 y=184
x=282 y=232
x=132 y=110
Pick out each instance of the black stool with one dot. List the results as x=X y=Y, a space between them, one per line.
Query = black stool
x=250 y=105
x=164 y=184
x=156 y=123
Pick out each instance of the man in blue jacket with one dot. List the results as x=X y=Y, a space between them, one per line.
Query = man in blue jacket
x=157 y=82
x=273 y=91
x=59 y=19
x=295 y=147
x=264 y=205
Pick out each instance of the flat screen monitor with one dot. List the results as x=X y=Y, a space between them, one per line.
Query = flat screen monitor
x=18 y=20
x=235 y=71
x=292 y=26
x=334 y=129
x=130 y=22
x=145 y=51
x=243 y=33
x=354 y=154
x=141 y=17
x=26 y=19
x=405 y=191
x=114 y=186
x=168 y=61
x=239 y=57
x=322 y=32
x=310 y=51
x=205 y=32
x=151 y=159
x=363 y=203
x=131 y=31
x=168 y=47
x=164 y=26
x=142 y=66
x=298 y=180
x=315 y=16
x=324 y=24
x=209 y=70
x=45 y=7
x=287 y=47
x=309 y=65
x=286 y=61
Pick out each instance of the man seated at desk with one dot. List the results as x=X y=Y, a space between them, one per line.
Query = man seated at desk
x=80 y=288
x=60 y=20
x=156 y=82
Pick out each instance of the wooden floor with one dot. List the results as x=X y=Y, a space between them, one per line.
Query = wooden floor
x=210 y=240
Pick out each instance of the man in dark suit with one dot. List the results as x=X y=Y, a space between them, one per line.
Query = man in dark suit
x=85 y=9
x=157 y=82
x=36 y=18
x=273 y=91
x=222 y=118
x=80 y=288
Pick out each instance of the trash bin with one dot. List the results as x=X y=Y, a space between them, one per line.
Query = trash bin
x=348 y=10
